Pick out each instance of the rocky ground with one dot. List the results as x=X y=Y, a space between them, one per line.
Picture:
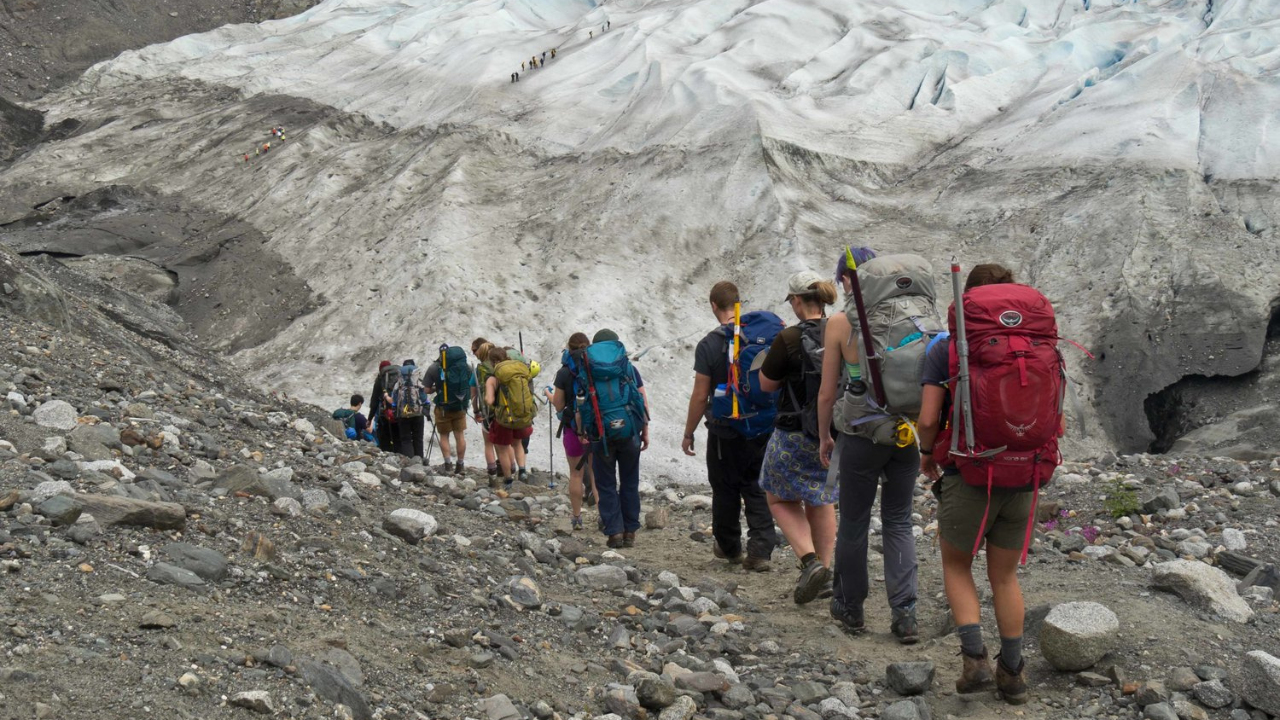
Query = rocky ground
x=177 y=544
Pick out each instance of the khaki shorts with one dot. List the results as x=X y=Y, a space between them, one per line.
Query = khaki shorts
x=448 y=421
x=960 y=512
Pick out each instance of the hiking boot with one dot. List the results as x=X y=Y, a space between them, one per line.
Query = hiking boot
x=720 y=553
x=828 y=590
x=495 y=482
x=628 y=539
x=756 y=564
x=445 y=468
x=524 y=476
x=507 y=483
x=976 y=675
x=851 y=621
x=1011 y=684
x=459 y=468
x=904 y=626
x=576 y=522
x=589 y=499
x=615 y=541
x=813 y=578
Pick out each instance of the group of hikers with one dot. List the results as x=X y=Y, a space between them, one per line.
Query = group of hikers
x=800 y=421
x=535 y=61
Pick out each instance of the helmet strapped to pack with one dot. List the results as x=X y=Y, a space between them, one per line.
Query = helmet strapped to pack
x=741 y=404
x=894 y=316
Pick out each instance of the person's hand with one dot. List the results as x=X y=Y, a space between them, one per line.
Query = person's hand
x=825 y=448
x=929 y=467
x=687 y=446
x=644 y=439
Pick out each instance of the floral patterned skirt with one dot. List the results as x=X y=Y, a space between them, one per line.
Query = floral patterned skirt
x=792 y=470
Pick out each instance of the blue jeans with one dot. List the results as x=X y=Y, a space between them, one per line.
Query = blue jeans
x=618 y=486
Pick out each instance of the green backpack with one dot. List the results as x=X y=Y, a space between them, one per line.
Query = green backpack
x=514 y=406
x=454 y=389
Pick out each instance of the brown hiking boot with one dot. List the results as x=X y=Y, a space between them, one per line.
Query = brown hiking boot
x=756 y=564
x=976 y=675
x=1011 y=684
x=720 y=553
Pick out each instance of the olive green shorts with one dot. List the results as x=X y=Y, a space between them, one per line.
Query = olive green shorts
x=960 y=512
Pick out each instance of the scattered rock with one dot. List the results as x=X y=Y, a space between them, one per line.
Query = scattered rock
x=331 y=683
x=1204 y=587
x=1075 y=635
x=657 y=518
x=56 y=414
x=286 y=507
x=111 y=510
x=910 y=678
x=603 y=577
x=523 y=593
x=49 y=488
x=410 y=525
x=684 y=708
x=258 y=701
x=1212 y=694
x=210 y=565
x=156 y=620
x=499 y=707
x=652 y=690
x=60 y=509
x=166 y=574
x=1259 y=681
x=910 y=709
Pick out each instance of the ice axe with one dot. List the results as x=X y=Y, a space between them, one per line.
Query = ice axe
x=963 y=409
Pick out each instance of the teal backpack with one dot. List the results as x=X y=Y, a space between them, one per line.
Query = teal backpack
x=454 y=389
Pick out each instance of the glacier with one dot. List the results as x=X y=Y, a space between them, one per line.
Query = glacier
x=1115 y=154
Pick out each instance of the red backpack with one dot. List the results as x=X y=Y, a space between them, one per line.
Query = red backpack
x=1017 y=381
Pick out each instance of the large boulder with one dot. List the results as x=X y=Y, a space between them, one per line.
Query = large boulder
x=1259 y=681
x=410 y=525
x=1075 y=635
x=603 y=577
x=114 y=510
x=209 y=564
x=247 y=480
x=1203 y=586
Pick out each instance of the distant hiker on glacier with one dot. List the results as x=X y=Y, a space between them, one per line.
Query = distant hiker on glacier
x=451 y=380
x=514 y=76
x=868 y=407
x=553 y=53
x=355 y=425
x=569 y=401
x=792 y=476
x=994 y=504
x=738 y=426
x=384 y=422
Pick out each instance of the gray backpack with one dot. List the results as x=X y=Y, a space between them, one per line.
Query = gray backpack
x=902 y=314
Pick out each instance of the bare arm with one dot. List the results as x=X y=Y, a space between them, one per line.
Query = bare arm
x=768 y=384
x=927 y=426
x=490 y=391
x=558 y=400
x=834 y=342
x=697 y=408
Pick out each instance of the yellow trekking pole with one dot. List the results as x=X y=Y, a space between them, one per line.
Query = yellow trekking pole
x=444 y=367
x=737 y=345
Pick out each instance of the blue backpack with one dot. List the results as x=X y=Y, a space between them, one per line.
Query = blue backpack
x=607 y=404
x=756 y=409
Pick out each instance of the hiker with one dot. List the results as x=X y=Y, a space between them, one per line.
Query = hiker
x=480 y=410
x=591 y=34
x=1000 y=513
x=614 y=413
x=544 y=57
x=553 y=53
x=521 y=67
x=510 y=395
x=451 y=380
x=408 y=400
x=792 y=476
x=513 y=77
x=384 y=428
x=608 y=24
x=873 y=435
x=735 y=447
x=563 y=398
x=354 y=424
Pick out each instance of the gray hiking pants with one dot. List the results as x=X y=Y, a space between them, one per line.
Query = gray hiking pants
x=862 y=464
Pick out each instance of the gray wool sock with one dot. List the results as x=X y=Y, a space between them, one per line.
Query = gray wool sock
x=1011 y=652
x=971 y=639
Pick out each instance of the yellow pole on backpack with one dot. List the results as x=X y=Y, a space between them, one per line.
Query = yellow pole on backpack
x=444 y=366
x=737 y=347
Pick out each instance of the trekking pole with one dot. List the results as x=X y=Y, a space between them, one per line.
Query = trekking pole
x=551 y=447
x=872 y=359
x=733 y=357
x=963 y=409
x=430 y=445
